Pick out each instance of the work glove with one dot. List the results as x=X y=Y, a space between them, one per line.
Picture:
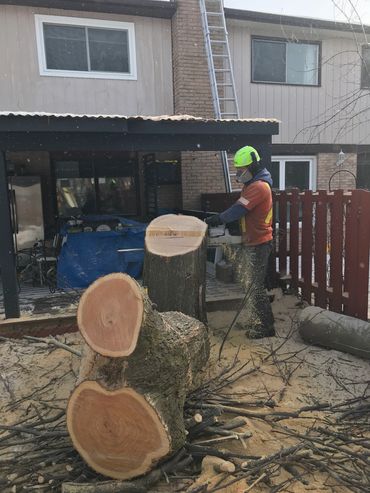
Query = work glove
x=213 y=220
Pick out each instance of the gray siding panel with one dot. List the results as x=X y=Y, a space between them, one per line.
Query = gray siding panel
x=22 y=87
x=336 y=112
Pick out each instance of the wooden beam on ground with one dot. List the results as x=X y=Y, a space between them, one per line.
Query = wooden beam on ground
x=38 y=326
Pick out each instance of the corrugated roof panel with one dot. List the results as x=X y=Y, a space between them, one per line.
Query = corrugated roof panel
x=138 y=117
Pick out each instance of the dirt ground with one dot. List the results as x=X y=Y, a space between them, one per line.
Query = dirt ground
x=287 y=371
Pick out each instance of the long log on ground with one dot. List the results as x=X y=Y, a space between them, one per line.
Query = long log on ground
x=336 y=331
x=175 y=264
x=126 y=412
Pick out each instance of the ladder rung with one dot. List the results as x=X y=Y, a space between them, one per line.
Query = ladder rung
x=234 y=114
x=221 y=56
x=227 y=84
x=222 y=70
x=226 y=99
x=216 y=27
x=216 y=13
x=215 y=41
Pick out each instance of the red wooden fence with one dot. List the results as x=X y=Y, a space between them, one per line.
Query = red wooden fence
x=322 y=247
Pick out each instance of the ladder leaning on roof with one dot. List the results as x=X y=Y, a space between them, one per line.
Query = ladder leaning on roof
x=220 y=70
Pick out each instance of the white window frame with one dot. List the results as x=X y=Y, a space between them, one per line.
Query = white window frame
x=40 y=20
x=313 y=169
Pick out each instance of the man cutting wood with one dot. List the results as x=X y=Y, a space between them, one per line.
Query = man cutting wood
x=254 y=210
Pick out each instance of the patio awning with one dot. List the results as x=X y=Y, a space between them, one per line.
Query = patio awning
x=23 y=131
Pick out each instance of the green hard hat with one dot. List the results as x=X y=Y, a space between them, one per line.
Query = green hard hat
x=245 y=157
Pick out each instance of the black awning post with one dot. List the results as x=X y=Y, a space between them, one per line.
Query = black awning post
x=7 y=256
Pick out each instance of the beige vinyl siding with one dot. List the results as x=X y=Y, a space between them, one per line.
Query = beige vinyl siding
x=22 y=87
x=302 y=109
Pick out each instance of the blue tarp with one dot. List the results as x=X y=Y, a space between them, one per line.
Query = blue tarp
x=84 y=257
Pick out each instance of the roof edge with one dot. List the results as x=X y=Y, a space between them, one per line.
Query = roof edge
x=153 y=118
x=289 y=20
x=146 y=8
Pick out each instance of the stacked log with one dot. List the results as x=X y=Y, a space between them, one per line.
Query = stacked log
x=126 y=412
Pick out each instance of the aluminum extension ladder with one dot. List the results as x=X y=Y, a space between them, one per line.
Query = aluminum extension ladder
x=220 y=70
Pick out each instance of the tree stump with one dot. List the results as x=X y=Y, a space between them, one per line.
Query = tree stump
x=175 y=264
x=126 y=412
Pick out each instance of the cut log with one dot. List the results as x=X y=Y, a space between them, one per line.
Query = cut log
x=336 y=331
x=126 y=412
x=175 y=264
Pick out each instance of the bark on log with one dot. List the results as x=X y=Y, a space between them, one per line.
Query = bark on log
x=336 y=331
x=175 y=264
x=126 y=413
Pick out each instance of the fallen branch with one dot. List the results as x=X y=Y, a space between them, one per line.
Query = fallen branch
x=52 y=341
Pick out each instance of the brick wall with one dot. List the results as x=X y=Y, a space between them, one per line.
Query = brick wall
x=326 y=166
x=201 y=171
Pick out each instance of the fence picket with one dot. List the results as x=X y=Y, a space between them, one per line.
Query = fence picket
x=336 y=250
x=350 y=253
x=283 y=231
x=320 y=254
x=307 y=244
x=294 y=237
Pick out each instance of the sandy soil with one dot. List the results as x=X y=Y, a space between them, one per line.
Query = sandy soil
x=298 y=375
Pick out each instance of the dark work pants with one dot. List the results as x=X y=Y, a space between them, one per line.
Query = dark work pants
x=259 y=320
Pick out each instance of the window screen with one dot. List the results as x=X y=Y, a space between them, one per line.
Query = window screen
x=65 y=47
x=302 y=63
x=269 y=61
x=108 y=50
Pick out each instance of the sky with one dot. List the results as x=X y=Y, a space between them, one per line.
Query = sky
x=319 y=9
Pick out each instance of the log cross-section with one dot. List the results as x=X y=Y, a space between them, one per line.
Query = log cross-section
x=123 y=432
x=110 y=314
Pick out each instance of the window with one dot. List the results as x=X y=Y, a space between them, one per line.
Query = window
x=96 y=186
x=74 y=47
x=282 y=62
x=365 y=67
x=293 y=172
